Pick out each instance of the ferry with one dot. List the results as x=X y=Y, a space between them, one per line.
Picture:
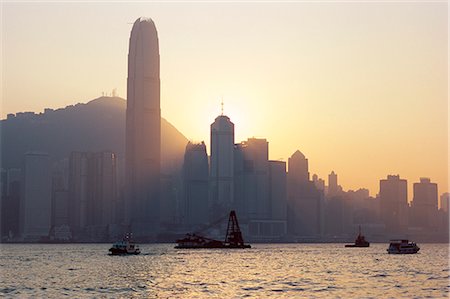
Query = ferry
x=124 y=247
x=233 y=238
x=402 y=247
x=360 y=241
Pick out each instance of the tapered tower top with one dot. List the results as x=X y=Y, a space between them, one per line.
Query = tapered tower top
x=143 y=56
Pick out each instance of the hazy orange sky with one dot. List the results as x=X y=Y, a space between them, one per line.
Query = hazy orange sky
x=360 y=88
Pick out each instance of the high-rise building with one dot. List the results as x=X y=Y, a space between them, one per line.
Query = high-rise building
x=304 y=199
x=78 y=191
x=195 y=178
x=278 y=197
x=36 y=202
x=260 y=190
x=92 y=193
x=394 y=203
x=143 y=130
x=298 y=167
x=424 y=204
x=333 y=187
x=221 y=167
x=278 y=190
x=444 y=201
x=254 y=199
x=11 y=182
x=319 y=183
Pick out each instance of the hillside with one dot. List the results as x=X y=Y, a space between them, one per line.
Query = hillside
x=95 y=126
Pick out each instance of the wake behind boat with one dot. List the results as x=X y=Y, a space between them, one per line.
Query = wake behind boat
x=360 y=241
x=233 y=238
x=124 y=247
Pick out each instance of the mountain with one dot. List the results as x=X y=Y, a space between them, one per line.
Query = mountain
x=96 y=126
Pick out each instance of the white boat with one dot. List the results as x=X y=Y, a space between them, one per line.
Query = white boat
x=402 y=247
x=124 y=247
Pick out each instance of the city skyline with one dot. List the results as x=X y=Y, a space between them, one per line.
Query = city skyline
x=374 y=137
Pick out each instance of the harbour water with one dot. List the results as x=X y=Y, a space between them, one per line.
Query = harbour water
x=264 y=271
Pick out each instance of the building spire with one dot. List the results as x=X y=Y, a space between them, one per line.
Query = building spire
x=222 y=105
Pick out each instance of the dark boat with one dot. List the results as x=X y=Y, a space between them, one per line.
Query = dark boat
x=402 y=247
x=124 y=247
x=233 y=238
x=360 y=241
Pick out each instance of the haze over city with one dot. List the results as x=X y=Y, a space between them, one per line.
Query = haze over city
x=246 y=139
x=359 y=88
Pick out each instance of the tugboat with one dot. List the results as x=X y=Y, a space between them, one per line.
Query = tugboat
x=124 y=247
x=360 y=241
x=233 y=238
x=402 y=247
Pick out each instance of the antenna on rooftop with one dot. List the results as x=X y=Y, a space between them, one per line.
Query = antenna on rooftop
x=222 y=105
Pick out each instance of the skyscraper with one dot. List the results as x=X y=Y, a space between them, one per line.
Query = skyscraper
x=92 y=193
x=425 y=204
x=195 y=185
x=36 y=203
x=333 y=187
x=298 y=167
x=444 y=201
x=222 y=161
x=394 y=203
x=143 y=130
x=304 y=200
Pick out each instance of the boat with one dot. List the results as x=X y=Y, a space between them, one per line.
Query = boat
x=360 y=241
x=124 y=247
x=402 y=247
x=233 y=238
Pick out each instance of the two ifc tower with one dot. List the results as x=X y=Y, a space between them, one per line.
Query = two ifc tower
x=143 y=131
x=143 y=139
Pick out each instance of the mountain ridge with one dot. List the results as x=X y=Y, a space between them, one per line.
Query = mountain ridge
x=93 y=126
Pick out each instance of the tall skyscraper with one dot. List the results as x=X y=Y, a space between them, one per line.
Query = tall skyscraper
x=255 y=197
x=195 y=185
x=444 y=201
x=425 y=204
x=394 y=203
x=259 y=190
x=298 y=167
x=221 y=167
x=36 y=203
x=92 y=194
x=333 y=187
x=143 y=130
x=304 y=200
x=11 y=182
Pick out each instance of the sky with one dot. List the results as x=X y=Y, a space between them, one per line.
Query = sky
x=360 y=88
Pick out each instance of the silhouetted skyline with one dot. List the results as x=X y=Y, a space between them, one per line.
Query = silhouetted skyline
x=355 y=86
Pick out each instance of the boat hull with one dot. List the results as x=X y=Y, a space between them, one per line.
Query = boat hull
x=211 y=247
x=115 y=251
x=355 y=245
x=410 y=251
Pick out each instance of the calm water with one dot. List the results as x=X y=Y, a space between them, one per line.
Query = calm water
x=265 y=271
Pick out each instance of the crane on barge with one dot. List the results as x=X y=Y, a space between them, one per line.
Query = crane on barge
x=233 y=238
